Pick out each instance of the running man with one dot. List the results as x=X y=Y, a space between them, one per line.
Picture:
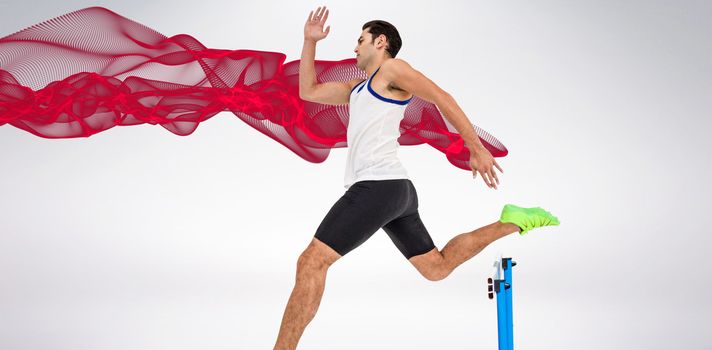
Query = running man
x=379 y=193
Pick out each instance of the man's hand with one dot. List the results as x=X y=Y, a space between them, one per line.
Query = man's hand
x=314 y=28
x=481 y=161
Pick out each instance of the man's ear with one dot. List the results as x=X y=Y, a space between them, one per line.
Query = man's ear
x=382 y=38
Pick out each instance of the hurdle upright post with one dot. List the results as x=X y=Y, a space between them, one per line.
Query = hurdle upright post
x=501 y=285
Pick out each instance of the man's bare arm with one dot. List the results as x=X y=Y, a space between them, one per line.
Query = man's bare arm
x=411 y=80
x=333 y=92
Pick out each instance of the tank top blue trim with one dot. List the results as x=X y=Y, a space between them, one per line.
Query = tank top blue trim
x=361 y=88
x=375 y=94
x=385 y=99
x=354 y=88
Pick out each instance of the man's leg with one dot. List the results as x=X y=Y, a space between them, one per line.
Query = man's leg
x=436 y=265
x=304 y=301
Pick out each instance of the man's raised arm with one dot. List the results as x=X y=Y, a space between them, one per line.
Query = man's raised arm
x=312 y=33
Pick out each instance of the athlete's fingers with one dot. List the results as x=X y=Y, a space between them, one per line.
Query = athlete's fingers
x=311 y=14
x=489 y=177
x=484 y=178
x=320 y=12
x=493 y=174
x=498 y=167
x=316 y=13
x=489 y=180
x=326 y=15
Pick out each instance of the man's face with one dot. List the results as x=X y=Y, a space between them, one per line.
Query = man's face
x=365 y=50
x=363 y=47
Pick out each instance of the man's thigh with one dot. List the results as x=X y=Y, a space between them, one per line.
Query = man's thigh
x=356 y=216
x=409 y=235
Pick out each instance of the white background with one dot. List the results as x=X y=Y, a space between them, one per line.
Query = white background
x=136 y=238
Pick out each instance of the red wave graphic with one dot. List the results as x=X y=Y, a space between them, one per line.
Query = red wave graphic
x=92 y=69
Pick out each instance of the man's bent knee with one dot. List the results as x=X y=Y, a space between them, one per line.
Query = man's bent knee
x=435 y=275
x=431 y=265
x=317 y=256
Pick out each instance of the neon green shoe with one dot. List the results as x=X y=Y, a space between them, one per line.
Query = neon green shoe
x=527 y=218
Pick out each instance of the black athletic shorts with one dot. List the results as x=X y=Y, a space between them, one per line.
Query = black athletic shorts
x=372 y=204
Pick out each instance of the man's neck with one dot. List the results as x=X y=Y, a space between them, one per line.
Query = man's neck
x=371 y=68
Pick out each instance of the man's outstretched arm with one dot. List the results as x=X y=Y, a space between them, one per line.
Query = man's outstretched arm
x=411 y=80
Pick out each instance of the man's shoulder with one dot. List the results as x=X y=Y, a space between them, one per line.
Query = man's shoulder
x=394 y=68
x=394 y=65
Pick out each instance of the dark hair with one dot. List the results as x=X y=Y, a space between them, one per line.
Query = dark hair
x=378 y=27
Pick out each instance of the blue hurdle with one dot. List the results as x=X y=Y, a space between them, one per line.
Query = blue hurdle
x=501 y=286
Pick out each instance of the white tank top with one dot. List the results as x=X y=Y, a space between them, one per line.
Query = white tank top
x=372 y=135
